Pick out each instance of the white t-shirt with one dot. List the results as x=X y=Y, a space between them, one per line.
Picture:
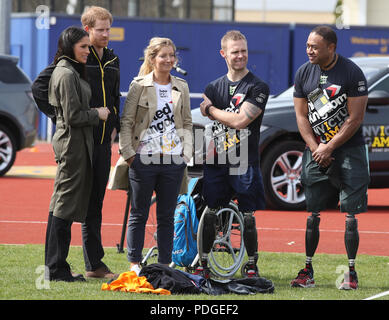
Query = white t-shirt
x=161 y=136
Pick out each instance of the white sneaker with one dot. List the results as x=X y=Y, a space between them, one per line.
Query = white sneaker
x=136 y=268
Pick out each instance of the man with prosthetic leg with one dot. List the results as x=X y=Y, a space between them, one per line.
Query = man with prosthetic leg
x=235 y=102
x=330 y=99
x=250 y=239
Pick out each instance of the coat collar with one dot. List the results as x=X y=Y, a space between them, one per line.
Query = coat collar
x=151 y=93
x=64 y=62
x=108 y=55
x=149 y=81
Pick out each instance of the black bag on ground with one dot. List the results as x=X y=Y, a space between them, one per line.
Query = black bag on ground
x=161 y=276
x=238 y=286
x=40 y=92
x=179 y=282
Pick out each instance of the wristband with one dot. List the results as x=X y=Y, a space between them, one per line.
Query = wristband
x=206 y=109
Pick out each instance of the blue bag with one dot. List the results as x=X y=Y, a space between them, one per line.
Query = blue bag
x=185 y=229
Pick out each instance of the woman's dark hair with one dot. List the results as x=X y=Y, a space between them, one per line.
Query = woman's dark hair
x=68 y=38
x=327 y=33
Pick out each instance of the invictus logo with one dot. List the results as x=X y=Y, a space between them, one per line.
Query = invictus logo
x=333 y=90
x=376 y=137
x=331 y=104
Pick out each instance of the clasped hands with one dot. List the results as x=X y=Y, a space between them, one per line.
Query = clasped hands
x=323 y=155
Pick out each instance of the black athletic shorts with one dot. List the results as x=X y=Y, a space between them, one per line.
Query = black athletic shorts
x=219 y=186
x=346 y=180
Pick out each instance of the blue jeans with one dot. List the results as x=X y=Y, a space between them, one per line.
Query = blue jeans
x=166 y=180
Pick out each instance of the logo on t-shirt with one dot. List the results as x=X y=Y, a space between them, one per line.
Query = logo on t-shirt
x=326 y=126
x=225 y=138
x=163 y=93
x=163 y=119
x=236 y=100
x=228 y=142
x=232 y=89
x=161 y=136
x=361 y=86
x=323 y=79
x=333 y=90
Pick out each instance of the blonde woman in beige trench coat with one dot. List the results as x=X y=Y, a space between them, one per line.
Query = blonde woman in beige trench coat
x=155 y=144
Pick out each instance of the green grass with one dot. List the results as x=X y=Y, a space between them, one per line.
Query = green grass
x=20 y=281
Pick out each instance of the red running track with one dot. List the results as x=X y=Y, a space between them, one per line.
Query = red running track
x=24 y=206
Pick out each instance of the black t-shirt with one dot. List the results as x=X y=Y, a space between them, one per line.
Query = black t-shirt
x=344 y=80
x=229 y=96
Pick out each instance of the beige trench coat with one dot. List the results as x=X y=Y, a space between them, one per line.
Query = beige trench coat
x=139 y=110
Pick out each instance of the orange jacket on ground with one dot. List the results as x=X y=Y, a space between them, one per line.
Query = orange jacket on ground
x=130 y=282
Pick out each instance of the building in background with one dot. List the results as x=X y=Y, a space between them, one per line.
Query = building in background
x=342 y=13
x=173 y=9
x=279 y=11
x=366 y=12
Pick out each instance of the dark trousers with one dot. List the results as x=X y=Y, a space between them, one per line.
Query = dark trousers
x=166 y=180
x=219 y=186
x=91 y=228
x=58 y=236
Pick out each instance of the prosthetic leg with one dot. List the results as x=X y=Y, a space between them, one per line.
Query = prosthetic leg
x=312 y=235
x=250 y=238
x=208 y=237
x=305 y=278
x=351 y=241
x=351 y=238
x=209 y=231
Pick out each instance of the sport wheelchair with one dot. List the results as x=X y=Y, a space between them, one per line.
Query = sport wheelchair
x=228 y=250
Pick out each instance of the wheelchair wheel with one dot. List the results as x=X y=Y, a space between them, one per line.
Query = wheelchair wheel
x=227 y=251
x=150 y=257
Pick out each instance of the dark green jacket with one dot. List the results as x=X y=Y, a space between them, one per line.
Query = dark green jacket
x=72 y=141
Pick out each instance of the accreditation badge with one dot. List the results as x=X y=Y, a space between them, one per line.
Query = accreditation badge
x=320 y=102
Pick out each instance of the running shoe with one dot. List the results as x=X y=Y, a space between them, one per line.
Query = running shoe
x=350 y=281
x=250 y=271
x=136 y=268
x=304 y=279
x=202 y=272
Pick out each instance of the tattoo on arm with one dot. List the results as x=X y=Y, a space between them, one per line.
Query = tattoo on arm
x=251 y=111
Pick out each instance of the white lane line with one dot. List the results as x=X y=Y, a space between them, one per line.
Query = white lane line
x=378 y=295
x=322 y=230
x=259 y=228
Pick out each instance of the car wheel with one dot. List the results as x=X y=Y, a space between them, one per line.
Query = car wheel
x=7 y=150
x=281 y=169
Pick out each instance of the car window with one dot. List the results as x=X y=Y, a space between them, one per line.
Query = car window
x=10 y=73
x=382 y=85
x=370 y=72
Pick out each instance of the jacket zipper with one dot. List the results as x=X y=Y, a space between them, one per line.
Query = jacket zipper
x=103 y=88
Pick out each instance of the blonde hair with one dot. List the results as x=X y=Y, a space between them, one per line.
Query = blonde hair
x=155 y=45
x=94 y=13
x=232 y=35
